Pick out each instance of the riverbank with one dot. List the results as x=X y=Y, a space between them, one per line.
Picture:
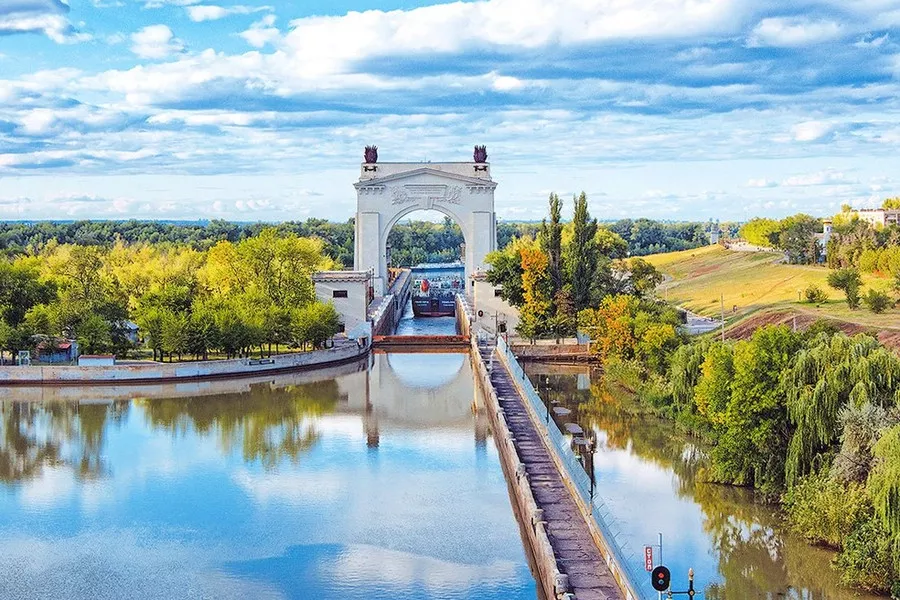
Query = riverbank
x=342 y=352
x=738 y=546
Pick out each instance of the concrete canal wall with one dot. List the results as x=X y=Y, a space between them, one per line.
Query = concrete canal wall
x=156 y=372
x=552 y=582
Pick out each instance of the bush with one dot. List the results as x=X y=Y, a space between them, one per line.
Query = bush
x=815 y=295
x=878 y=302
x=865 y=560
x=825 y=511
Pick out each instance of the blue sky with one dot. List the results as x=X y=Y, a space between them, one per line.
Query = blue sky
x=252 y=110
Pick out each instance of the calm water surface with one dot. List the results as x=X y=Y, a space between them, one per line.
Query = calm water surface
x=376 y=483
x=647 y=473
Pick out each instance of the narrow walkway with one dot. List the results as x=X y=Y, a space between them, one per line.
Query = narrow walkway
x=576 y=552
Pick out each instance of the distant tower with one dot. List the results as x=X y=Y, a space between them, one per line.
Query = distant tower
x=827 y=227
x=714 y=232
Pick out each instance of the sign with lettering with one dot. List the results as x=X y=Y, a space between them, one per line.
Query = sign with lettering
x=648 y=558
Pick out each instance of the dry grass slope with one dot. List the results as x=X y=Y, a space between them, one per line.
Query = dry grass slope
x=757 y=281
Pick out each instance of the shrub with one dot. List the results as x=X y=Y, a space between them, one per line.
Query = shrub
x=865 y=560
x=815 y=295
x=878 y=302
x=825 y=511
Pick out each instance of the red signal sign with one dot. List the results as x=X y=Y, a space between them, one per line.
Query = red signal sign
x=648 y=558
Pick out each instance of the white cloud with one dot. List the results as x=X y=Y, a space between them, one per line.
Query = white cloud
x=793 y=31
x=262 y=32
x=327 y=44
x=155 y=41
x=47 y=17
x=812 y=131
x=211 y=12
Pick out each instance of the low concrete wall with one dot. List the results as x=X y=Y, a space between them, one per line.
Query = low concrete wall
x=156 y=372
x=553 y=583
x=568 y=353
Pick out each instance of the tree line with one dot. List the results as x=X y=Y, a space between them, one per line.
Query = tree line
x=230 y=299
x=412 y=242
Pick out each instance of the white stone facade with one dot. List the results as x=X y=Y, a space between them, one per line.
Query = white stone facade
x=349 y=291
x=387 y=192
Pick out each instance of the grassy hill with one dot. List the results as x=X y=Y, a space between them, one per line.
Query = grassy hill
x=757 y=281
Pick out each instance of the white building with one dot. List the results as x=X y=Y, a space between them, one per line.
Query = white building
x=96 y=360
x=351 y=292
x=879 y=217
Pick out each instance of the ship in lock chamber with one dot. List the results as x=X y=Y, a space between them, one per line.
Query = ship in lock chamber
x=434 y=289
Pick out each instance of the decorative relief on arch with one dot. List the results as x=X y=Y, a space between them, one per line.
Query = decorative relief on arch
x=428 y=194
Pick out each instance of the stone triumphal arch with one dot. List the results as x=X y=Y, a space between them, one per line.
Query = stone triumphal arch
x=386 y=192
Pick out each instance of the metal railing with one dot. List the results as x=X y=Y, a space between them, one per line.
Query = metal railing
x=626 y=560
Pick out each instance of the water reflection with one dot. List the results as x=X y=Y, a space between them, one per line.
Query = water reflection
x=648 y=473
x=356 y=486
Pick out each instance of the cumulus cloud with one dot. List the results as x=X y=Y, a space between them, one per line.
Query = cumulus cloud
x=262 y=32
x=155 y=41
x=210 y=12
x=793 y=31
x=327 y=44
x=47 y=17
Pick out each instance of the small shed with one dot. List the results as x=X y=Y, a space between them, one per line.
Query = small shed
x=57 y=351
x=96 y=360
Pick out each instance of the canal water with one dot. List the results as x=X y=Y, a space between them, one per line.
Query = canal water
x=648 y=475
x=376 y=481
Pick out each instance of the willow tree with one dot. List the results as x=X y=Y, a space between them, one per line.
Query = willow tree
x=884 y=486
x=832 y=373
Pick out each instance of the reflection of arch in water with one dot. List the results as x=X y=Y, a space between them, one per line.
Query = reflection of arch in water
x=426 y=371
x=416 y=400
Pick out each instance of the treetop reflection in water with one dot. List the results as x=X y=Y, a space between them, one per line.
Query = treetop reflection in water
x=275 y=492
x=651 y=478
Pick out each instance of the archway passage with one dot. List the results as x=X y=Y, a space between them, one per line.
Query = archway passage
x=387 y=192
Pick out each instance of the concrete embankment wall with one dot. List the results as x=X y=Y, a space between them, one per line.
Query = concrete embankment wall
x=612 y=558
x=548 y=576
x=156 y=372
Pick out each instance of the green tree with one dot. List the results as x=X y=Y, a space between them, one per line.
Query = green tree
x=551 y=243
x=582 y=255
x=21 y=288
x=891 y=203
x=506 y=270
x=848 y=281
x=798 y=239
x=761 y=232
x=644 y=277
x=93 y=335
x=815 y=295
